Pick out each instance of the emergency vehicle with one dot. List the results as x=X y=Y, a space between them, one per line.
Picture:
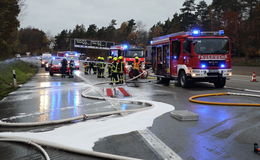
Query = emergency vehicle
x=129 y=52
x=193 y=56
x=73 y=55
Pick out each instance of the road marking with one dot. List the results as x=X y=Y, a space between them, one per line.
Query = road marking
x=240 y=75
x=239 y=80
x=114 y=103
x=160 y=148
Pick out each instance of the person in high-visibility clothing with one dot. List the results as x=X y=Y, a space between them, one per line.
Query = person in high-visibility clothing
x=102 y=66
x=136 y=67
x=95 y=66
x=109 y=66
x=98 y=67
x=114 y=77
x=86 y=67
x=121 y=69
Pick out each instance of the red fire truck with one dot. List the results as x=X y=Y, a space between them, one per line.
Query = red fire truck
x=193 y=56
x=129 y=52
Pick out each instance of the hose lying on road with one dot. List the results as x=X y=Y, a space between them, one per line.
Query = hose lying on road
x=36 y=143
x=193 y=99
x=8 y=139
x=84 y=116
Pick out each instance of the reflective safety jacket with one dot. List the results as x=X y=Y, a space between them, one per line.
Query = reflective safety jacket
x=102 y=65
x=136 y=65
x=121 y=67
x=114 y=67
x=86 y=65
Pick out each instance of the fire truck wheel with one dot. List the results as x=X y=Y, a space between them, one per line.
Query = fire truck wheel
x=182 y=80
x=220 y=83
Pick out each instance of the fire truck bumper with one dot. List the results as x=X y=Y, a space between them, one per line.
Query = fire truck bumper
x=210 y=73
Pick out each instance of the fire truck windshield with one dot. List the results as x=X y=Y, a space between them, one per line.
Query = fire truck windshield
x=211 y=45
x=134 y=53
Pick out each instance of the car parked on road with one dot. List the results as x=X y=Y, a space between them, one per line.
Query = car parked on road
x=55 y=66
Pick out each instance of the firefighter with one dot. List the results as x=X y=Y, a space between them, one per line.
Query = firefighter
x=121 y=69
x=102 y=66
x=98 y=67
x=95 y=67
x=86 y=67
x=64 y=65
x=114 y=77
x=109 y=66
x=71 y=68
x=136 y=67
x=91 y=66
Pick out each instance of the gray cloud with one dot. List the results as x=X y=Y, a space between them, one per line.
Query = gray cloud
x=55 y=15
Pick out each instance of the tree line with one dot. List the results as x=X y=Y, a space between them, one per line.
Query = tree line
x=14 y=40
x=240 y=19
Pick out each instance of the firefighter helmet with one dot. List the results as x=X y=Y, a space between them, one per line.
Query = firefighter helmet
x=110 y=57
x=136 y=57
x=120 y=57
x=115 y=59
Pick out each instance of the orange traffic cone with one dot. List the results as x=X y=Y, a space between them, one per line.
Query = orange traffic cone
x=253 y=79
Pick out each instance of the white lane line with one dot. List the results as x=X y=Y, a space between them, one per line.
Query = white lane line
x=160 y=148
x=237 y=75
x=239 y=80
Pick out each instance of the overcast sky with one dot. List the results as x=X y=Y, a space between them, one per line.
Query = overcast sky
x=55 y=15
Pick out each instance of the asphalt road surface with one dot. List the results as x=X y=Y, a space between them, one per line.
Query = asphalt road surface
x=222 y=132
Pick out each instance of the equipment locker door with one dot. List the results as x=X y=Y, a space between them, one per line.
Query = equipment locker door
x=176 y=50
x=166 y=59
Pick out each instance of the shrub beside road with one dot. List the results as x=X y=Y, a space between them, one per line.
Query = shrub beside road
x=24 y=71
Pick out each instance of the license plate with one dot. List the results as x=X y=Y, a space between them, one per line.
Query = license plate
x=213 y=71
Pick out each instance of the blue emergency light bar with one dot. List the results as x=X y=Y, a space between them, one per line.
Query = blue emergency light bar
x=125 y=46
x=195 y=32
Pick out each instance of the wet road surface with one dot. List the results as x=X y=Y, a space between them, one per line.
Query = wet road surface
x=222 y=132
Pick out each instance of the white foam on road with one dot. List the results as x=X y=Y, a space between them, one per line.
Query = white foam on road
x=84 y=135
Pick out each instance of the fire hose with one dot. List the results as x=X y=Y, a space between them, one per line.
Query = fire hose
x=193 y=99
x=44 y=153
x=37 y=143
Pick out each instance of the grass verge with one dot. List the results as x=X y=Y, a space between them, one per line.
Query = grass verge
x=24 y=71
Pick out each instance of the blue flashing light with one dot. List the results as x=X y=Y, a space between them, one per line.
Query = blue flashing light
x=125 y=46
x=221 y=32
x=76 y=54
x=174 y=57
x=203 y=65
x=195 y=32
x=53 y=58
x=151 y=42
x=222 y=65
x=67 y=54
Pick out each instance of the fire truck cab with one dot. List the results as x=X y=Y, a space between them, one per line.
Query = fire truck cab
x=129 y=52
x=193 y=56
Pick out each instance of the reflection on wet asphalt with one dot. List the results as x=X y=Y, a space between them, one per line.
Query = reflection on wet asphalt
x=47 y=98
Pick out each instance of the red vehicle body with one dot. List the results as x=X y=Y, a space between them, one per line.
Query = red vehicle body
x=192 y=56
x=129 y=52
x=55 y=66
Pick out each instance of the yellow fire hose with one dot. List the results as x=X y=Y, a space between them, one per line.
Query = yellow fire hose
x=193 y=99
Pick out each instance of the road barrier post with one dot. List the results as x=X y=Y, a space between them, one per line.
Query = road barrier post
x=14 y=78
